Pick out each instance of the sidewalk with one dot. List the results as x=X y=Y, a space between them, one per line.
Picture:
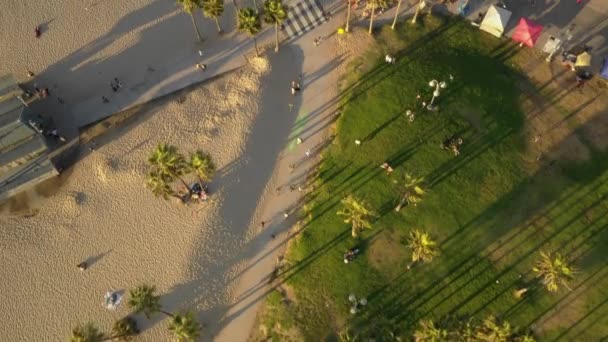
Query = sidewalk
x=590 y=20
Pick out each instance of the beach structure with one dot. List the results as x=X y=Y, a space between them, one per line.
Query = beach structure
x=495 y=21
x=24 y=155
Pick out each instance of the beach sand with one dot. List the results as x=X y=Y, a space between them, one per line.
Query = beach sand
x=104 y=214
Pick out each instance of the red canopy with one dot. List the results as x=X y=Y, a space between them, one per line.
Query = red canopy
x=527 y=32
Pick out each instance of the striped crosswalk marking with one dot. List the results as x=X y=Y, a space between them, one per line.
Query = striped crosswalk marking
x=303 y=16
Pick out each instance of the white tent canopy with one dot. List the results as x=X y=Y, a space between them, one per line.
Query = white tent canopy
x=495 y=21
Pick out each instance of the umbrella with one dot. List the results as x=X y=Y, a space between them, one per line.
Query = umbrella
x=604 y=70
x=527 y=32
x=583 y=60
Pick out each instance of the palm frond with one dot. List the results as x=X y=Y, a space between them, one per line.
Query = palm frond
x=423 y=247
x=185 y=327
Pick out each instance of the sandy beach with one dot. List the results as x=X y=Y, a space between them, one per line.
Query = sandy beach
x=105 y=214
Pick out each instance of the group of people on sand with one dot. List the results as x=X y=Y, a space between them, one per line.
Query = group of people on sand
x=197 y=192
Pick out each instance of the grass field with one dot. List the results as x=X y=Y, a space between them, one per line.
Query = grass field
x=492 y=209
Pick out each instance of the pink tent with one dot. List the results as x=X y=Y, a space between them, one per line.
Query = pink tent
x=527 y=32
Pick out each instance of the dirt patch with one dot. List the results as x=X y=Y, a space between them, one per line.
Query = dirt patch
x=566 y=313
x=353 y=46
x=386 y=253
x=557 y=112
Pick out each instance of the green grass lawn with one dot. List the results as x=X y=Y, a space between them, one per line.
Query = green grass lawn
x=489 y=209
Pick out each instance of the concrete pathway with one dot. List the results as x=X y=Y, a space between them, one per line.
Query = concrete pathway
x=310 y=113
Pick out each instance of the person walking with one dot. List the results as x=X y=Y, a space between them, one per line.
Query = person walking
x=82 y=266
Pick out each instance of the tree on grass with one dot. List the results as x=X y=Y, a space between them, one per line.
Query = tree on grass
x=214 y=9
x=185 y=327
x=87 y=333
x=357 y=213
x=202 y=165
x=189 y=6
x=429 y=332
x=411 y=191
x=249 y=22
x=554 y=270
x=525 y=338
x=373 y=5
x=423 y=247
x=493 y=330
x=144 y=299
x=274 y=13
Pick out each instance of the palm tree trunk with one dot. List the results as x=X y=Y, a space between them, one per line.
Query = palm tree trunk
x=255 y=44
x=417 y=11
x=276 y=37
x=198 y=34
x=371 y=20
x=401 y=203
x=348 y=15
x=396 y=15
x=217 y=23
x=185 y=184
x=354 y=231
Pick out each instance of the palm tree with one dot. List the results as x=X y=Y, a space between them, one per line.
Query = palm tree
x=167 y=164
x=464 y=332
x=554 y=271
x=274 y=13
x=125 y=328
x=411 y=191
x=201 y=164
x=159 y=186
x=373 y=5
x=214 y=9
x=420 y=2
x=428 y=332
x=356 y=213
x=87 y=333
x=249 y=22
x=423 y=247
x=492 y=330
x=189 y=7
x=525 y=338
x=396 y=15
x=185 y=327
x=144 y=299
